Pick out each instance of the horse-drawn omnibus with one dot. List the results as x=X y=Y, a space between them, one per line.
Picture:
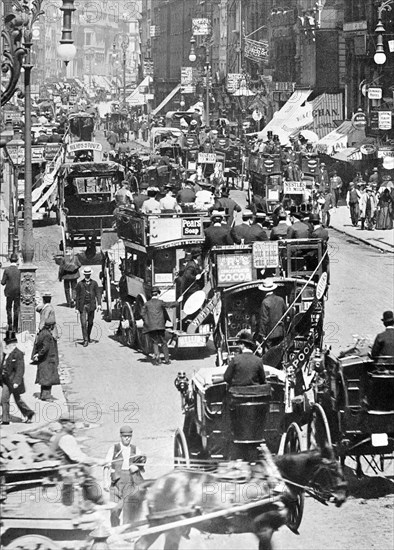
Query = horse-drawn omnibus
x=86 y=197
x=155 y=250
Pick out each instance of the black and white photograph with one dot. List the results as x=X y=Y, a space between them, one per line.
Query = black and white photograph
x=197 y=275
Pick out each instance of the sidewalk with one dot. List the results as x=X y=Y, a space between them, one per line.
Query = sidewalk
x=45 y=412
x=378 y=238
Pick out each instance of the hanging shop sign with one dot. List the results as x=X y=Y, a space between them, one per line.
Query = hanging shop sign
x=256 y=51
x=374 y=93
x=233 y=81
x=359 y=120
x=385 y=120
x=200 y=27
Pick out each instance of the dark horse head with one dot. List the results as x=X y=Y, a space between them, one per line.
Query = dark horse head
x=318 y=470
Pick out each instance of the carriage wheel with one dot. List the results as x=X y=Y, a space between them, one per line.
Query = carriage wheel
x=107 y=282
x=181 y=450
x=32 y=542
x=318 y=434
x=129 y=329
x=293 y=444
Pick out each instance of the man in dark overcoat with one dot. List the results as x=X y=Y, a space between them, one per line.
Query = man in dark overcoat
x=154 y=315
x=272 y=309
x=217 y=234
x=245 y=368
x=242 y=234
x=384 y=341
x=88 y=299
x=299 y=229
x=189 y=277
x=258 y=232
x=11 y=379
x=47 y=358
x=12 y=282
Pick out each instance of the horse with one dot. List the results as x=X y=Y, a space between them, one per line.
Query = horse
x=260 y=490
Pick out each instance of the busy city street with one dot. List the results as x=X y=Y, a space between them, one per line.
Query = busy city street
x=196 y=270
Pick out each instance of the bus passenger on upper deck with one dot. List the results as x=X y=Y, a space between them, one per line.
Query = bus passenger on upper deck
x=123 y=196
x=299 y=229
x=384 y=342
x=186 y=194
x=258 y=232
x=242 y=234
x=245 y=369
x=318 y=231
x=151 y=205
x=279 y=232
x=217 y=234
x=169 y=203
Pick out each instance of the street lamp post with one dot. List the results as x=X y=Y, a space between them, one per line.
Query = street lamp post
x=17 y=39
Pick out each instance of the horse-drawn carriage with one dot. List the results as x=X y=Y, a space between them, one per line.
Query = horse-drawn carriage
x=354 y=409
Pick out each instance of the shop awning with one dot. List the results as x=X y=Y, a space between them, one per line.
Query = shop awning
x=348 y=154
x=291 y=110
x=138 y=97
x=166 y=100
x=336 y=140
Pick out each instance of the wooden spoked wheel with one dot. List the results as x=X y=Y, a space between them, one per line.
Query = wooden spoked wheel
x=181 y=450
x=293 y=444
x=318 y=434
x=32 y=542
x=129 y=329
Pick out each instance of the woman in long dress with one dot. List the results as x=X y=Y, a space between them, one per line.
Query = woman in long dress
x=384 y=215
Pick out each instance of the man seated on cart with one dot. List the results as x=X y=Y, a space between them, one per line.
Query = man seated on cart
x=245 y=369
x=383 y=347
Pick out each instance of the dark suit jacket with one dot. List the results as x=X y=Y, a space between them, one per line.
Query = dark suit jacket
x=12 y=281
x=95 y=296
x=12 y=371
x=319 y=232
x=154 y=315
x=279 y=232
x=258 y=233
x=384 y=344
x=48 y=359
x=271 y=310
x=216 y=235
x=242 y=231
x=245 y=369
x=299 y=230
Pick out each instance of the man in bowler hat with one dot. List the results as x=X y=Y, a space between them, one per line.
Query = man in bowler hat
x=88 y=299
x=11 y=379
x=384 y=342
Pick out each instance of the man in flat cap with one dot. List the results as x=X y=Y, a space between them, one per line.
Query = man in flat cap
x=122 y=475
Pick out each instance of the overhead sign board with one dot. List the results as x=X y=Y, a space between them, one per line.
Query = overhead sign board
x=13 y=116
x=385 y=120
x=234 y=268
x=374 y=93
x=294 y=187
x=265 y=254
x=200 y=27
x=206 y=158
x=84 y=146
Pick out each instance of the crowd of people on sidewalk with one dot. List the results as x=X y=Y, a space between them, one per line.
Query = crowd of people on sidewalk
x=371 y=202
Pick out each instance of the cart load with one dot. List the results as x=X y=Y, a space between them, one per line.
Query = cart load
x=45 y=503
